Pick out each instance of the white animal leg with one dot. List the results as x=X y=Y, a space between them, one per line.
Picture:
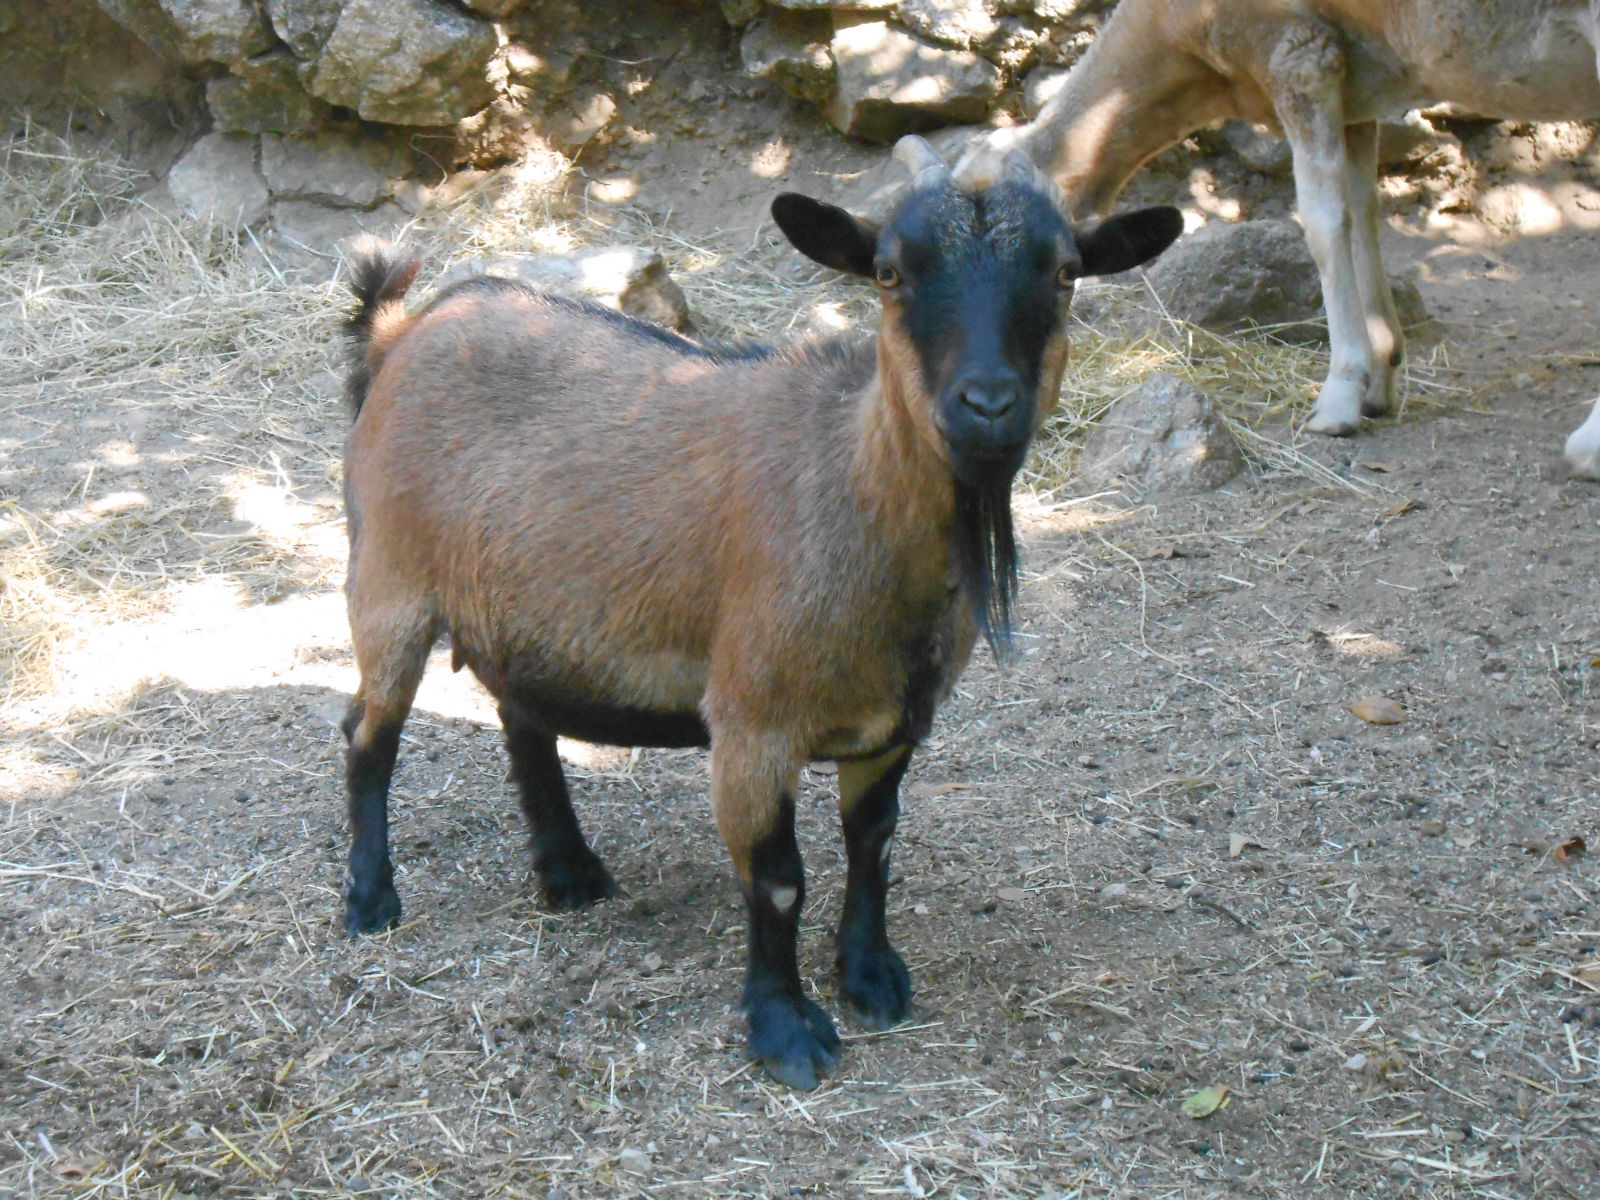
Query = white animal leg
x=1308 y=70
x=1583 y=447
x=1382 y=322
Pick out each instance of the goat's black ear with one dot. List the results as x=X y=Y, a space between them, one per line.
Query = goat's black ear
x=826 y=233
x=1129 y=240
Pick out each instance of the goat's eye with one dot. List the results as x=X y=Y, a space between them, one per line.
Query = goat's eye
x=1067 y=276
x=887 y=275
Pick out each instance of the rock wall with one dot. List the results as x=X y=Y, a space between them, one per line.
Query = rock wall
x=303 y=116
x=877 y=68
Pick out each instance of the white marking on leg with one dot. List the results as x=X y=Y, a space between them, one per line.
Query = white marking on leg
x=1583 y=447
x=783 y=898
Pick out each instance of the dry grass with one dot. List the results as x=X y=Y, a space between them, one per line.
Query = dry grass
x=183 y=1018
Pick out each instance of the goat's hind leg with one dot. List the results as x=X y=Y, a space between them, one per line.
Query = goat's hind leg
x=571 y=875
x=1307 y=74
x=392 y=654
x=871 y=973
x=1385 y=337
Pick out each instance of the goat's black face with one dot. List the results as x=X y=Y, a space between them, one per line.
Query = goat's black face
x=978 y=284
x=976 y=281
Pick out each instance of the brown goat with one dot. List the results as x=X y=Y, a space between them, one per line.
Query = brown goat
x=782 y=554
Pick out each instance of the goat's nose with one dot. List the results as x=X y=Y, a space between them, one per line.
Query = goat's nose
x=990 y=399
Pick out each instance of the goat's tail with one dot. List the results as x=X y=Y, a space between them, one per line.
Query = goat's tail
x=379 y=279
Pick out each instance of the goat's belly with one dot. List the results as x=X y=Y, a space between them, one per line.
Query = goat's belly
x=638 y=700
x=606 y=724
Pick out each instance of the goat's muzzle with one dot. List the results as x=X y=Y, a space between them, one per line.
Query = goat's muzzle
x=987 y=422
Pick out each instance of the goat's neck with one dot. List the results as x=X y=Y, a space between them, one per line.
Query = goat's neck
x=1130 y=97
x=900 y=473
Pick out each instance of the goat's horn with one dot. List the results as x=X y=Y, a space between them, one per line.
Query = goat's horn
x=922 y=161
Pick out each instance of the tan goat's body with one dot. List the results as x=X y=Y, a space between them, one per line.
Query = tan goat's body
x=671 y=521
x=1324 y=71
x=785 y=555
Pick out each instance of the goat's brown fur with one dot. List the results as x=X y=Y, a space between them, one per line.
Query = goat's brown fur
x=632 y=539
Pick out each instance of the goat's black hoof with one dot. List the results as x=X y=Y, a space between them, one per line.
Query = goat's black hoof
x=370 y=910
x=575 y=883
x=876 y=987
x=794 y=1039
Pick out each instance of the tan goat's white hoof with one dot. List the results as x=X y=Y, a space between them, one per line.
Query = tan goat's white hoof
x=1337 y=412
x=1583 y=447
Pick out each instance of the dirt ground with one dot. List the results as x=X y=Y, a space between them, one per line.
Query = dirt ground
x=1159 y=854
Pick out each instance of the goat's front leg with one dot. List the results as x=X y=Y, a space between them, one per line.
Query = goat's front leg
x=752 y=788
x=872 y=975
x=1307 y=74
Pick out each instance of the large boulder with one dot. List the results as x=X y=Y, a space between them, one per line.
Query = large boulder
x=791 y=49
x=1231 y=276
x=336 y=169
x=890 y=83
x=304 y=25
x=217 y=180
x=407 y=62
x=263 y=95
x=1164 y=435
x=195 y=31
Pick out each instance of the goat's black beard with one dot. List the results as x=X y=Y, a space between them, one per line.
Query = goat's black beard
x=983 y=546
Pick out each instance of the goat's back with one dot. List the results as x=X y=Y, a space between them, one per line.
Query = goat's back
x=576 y=496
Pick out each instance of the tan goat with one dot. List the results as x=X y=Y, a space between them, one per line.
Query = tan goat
x=785 y=554
x=1324 y=71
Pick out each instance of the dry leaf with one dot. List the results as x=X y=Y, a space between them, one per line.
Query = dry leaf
x=1378 y=710
x=1010 y=893
x=1207 y=1101
x=927 y=791
x=1405 y=506
x=1238 y=841
x=1572 y=848
x=1381 y=468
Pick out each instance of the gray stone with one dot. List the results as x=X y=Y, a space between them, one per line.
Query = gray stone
x=586 y=116
x=963 y=23
x=741 y=12
x=791 y=49
x=1258 y=148
x=195 y=31
x=1403 y=142
x=494 y=9
x=304 y=25
x=1164 y=435
x=546 y=71
x=263 y=95
x=306 y=232
x=890 y=83
x=1228 y=276
x=832 y=5
x=335 y=169
x=629 y=279
x=217 y=180
x=407 y=62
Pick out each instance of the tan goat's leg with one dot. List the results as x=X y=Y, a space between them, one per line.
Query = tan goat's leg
x=1313 y=118
x=1384 y=334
